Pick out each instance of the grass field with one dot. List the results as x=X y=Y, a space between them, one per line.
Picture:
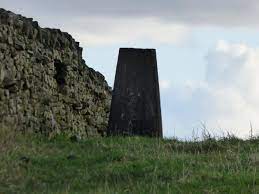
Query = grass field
x=34 y=164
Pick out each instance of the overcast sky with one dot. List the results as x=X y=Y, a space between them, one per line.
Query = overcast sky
x=208 y=53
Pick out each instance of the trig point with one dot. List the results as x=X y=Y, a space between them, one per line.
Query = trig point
x=135 y=107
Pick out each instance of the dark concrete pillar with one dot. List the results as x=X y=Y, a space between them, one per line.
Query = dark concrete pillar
x=135 y=107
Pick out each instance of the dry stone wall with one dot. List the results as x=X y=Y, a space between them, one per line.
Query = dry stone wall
x=45 y=85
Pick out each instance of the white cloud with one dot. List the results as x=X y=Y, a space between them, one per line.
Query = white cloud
x=132 y=32
x=165 y=84
x=228 y=100
x=232 y=77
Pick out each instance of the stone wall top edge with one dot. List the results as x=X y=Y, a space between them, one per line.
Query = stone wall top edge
x=9 y=18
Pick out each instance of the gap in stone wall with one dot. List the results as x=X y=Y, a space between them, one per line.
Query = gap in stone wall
x=61 y=73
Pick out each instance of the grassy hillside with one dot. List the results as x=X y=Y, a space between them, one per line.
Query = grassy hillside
x=31 y=164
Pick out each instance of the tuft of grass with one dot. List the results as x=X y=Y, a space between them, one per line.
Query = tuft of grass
x=35 y=164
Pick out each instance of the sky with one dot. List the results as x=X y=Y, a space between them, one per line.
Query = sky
x=207 y=52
